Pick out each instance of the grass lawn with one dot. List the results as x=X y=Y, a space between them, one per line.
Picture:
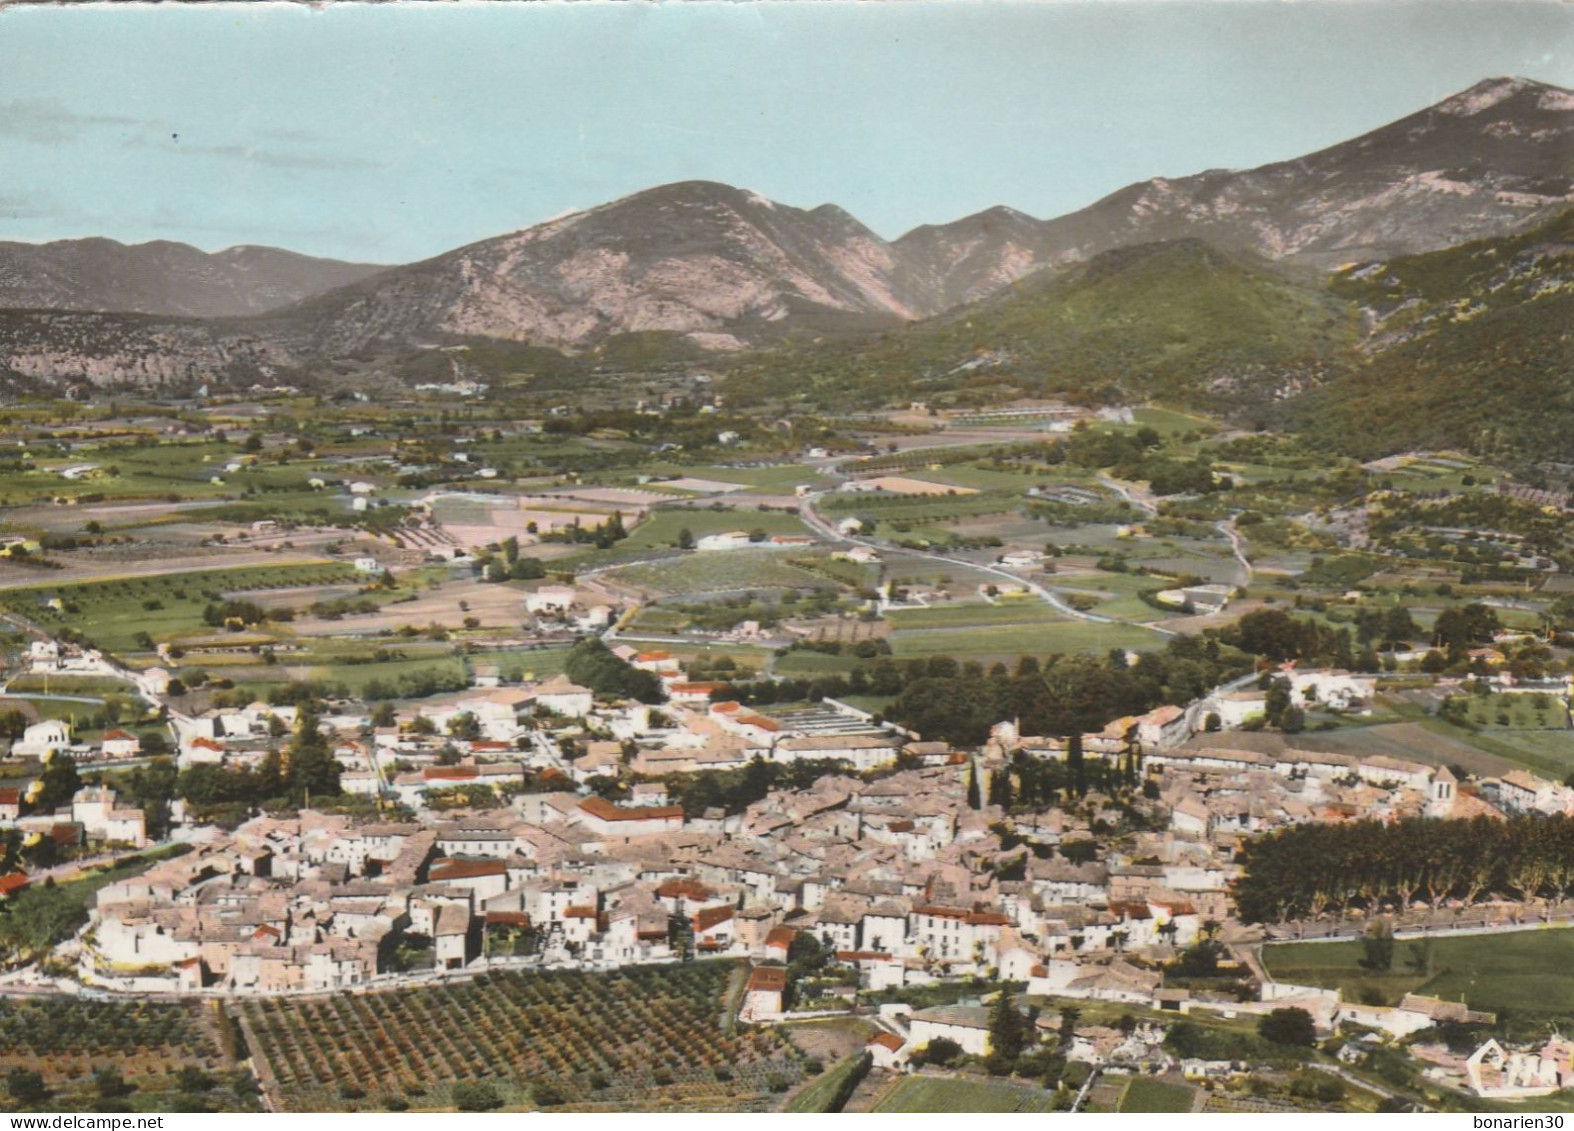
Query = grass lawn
x=1522 y=972
x=813 y=663
x=1066 y=635
x=933 y=1093
x=952 y=615
x=1516 y=712
x=1148 y=1095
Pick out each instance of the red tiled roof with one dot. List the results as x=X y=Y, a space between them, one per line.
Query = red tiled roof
x=448 y=773
x=119 y=736
x=977 y=916
x=710 y=917
x=693 y=688
x=780 y=937
x=507 y=919
x=10 y=797
x=683 y=889
x=887 y=1040
x=267 y=932
x=601 y=808
x=467 y=869
x=760 y=721
x=767 y=978
x=205 y=744
x=14 y=882
x=579 y=912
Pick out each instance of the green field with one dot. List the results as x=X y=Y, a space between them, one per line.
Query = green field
x=112 y=612
x=1516 y=712
x=1066 y=635
x=720 y=571
x=934 y=1093
x=1150 y=1096
x=661 y=528
x=1010 y=610
x=1520 y=972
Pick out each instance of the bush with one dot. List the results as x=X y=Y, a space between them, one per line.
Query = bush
x=1288 y=1027
x=478 y=1097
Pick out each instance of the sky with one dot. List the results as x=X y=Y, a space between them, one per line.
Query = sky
x=391 y=132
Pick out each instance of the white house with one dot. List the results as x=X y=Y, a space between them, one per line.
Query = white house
x=563 y=696
x=120 y=744
x=730 y=540
x=550 y=599
x=367 y=565
x=42 y=739
x=967 y=1025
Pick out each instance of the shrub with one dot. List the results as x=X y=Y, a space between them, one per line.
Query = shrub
x=1288 y=1027
x=476 y=1097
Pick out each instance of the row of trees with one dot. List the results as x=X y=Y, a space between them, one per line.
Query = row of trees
x=1310 y=870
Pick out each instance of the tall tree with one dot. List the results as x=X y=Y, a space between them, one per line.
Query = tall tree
x=311 y=768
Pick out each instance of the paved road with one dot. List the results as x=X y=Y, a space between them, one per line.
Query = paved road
x=820 y=526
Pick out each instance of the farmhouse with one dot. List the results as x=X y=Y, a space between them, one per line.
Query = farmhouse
x=967 y=1025
x=562 y=696
x=42 y=739
x=762 y=995
x=120 y=744
x=550 y=599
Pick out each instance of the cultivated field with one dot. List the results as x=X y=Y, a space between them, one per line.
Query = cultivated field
x=67 y=1039
x=644 y=1038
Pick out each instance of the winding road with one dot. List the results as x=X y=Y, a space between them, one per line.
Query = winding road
x=812 y=519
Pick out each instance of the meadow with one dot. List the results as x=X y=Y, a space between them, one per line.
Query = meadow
x=1006 y=643
x=947 y=1094
x=1519 y=972
x=1149 y=1095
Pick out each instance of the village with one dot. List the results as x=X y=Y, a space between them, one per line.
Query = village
x=537 y=827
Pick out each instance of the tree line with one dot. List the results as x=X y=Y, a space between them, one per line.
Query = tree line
x=1309 y=870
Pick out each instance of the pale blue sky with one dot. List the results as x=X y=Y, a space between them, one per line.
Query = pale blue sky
x=393 y=132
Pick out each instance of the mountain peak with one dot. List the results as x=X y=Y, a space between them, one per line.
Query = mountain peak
x=1488 y=93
